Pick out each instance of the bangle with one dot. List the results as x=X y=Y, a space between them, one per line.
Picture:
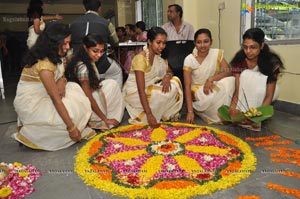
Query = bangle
x=190 y=111
x=169 y=74
x=72 y=128
x=64 y=79
x=209 y=80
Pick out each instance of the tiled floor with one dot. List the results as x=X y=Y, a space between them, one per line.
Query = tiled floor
x=64 y=185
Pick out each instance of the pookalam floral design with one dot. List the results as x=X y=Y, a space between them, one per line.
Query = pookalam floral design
x=177 y=159
x=16 y=180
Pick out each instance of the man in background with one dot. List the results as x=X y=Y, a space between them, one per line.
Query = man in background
x=176 y=27
x=92 y=22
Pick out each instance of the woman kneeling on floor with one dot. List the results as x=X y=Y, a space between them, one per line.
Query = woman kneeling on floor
x=105 y=95
x=151 y=92
x=256 y=70
x=52 y=113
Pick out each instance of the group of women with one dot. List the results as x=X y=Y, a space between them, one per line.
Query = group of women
x=58 y=106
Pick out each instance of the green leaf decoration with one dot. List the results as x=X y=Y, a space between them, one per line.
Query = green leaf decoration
x=267 y=112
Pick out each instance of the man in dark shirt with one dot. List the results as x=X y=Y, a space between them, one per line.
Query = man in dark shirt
x=92 y=22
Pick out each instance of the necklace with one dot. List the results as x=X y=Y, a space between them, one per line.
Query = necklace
x=146 y=50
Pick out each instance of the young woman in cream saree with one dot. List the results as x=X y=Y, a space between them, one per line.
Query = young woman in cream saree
x=151 y=93
x=206 y=80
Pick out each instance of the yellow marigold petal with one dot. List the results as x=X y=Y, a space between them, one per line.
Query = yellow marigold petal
x=151 y=166
x=188 y=164
x=4 y=192
x=188 y=136
x=92 y=179
x=158 y=134
x=127 y=155
x=17 y=164
x=23 y=173
x=130 y=141
x=212 y=150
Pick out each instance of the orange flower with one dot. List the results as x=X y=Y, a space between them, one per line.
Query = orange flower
x=176 y=184
x=95 y=147
x=166 y=147
x=296 y=162
x=268 y=141
x=285 y=153
x=286 y=190
x=290 y=173
x=104 y=172
x=248 y=197
x=232 y=167
x=227 y=140
x=272 y=137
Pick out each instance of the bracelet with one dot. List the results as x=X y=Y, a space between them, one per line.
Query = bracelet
x=169 y=74
x=190 y=111
x=209 y=80
x=65 y=79
x=72 y=128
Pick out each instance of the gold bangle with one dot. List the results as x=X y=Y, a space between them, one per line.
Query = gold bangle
x=64 y=78
x=72 y=128
x=190 y=111
x=169 y=74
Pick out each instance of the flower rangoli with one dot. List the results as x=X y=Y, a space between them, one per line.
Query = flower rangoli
x=179 y=160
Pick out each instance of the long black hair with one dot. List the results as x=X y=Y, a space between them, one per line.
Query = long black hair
x=35 y=7
x=269 y=63
x=48 y=44
x=90 y=40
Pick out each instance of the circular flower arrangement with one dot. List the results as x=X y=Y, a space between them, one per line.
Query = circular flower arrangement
x=16 y=180
x=176 y=160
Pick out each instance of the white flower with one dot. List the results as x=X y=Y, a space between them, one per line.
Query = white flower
x=175 y=132
x=23 y=184
x=129 y=163
x=203 y=139
x=117 y=146
x=138 y=134
x=170 y=166
x=208 y=158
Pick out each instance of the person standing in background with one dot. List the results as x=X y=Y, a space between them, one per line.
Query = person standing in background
x=176 y=27
x=36 y=22
x=92 y=22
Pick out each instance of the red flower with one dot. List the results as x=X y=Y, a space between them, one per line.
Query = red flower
x=111 y=135
x=99 y=158
x=166 y=146
x=133 y=180
x=203 y=176
x=234 y=151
